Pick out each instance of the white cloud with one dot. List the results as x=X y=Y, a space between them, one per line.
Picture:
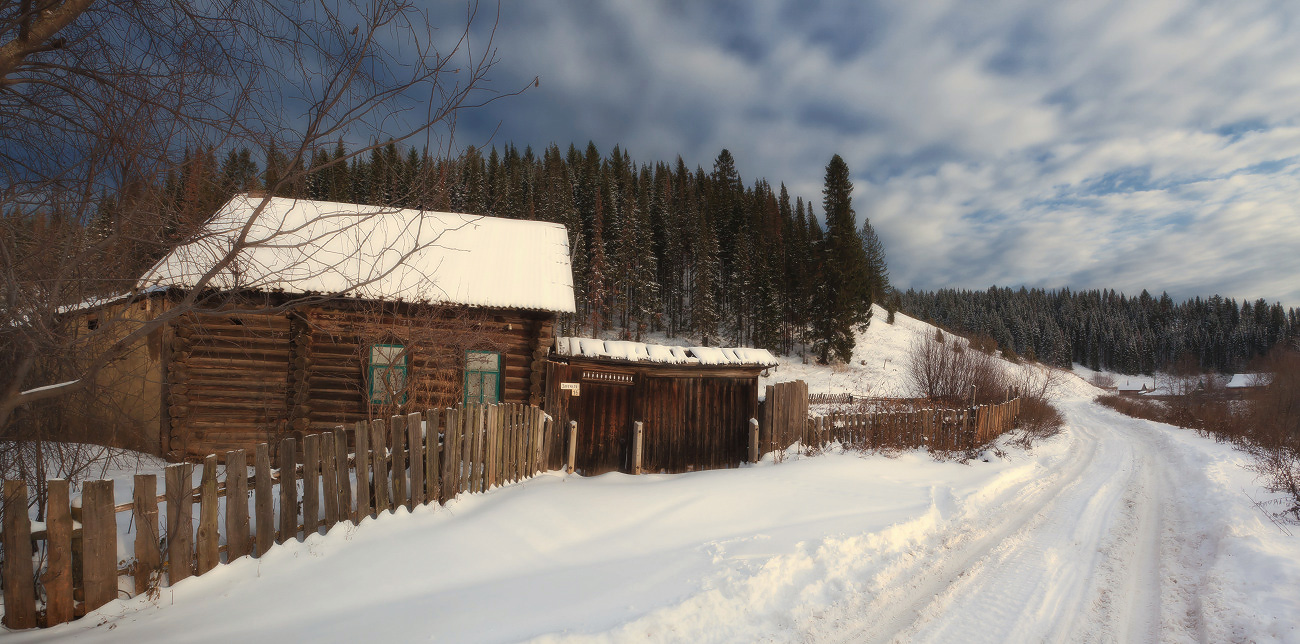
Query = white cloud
x=1084 y=144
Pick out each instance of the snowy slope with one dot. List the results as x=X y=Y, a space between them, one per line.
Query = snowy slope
x=1117 y=530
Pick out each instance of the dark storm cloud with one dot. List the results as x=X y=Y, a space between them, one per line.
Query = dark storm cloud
x=1084 y=144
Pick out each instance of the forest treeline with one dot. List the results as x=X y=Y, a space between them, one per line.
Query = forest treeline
x=690 y=253
x=656 y=248
x=1104 y=329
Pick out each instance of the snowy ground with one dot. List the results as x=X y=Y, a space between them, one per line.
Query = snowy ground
x=1117 y=530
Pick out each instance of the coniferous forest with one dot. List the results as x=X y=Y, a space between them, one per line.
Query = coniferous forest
x=699 y=254
x=659 y=248
x=1109 y=330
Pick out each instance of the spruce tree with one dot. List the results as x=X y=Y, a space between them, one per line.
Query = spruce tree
x=844 y=305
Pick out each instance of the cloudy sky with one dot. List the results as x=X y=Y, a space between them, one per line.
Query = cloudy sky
x=1131 y=144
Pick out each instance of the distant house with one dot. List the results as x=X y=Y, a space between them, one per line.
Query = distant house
x=1131 y=387
x=1247 y=381
x=437 y=308
x=694 y=402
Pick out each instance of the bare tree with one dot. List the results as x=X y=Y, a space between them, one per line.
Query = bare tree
x=946 y=369
x=99 y=102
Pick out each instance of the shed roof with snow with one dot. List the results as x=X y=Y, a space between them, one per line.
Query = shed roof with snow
x=1249 y=380
x=375 y=252
x=663 y=354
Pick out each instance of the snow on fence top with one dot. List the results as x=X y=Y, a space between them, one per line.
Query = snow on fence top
x=641 y=352
x=303 y=246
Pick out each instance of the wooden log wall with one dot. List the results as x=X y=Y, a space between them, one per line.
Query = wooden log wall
x=228 y=382
x=418 y=458
x=237 y=380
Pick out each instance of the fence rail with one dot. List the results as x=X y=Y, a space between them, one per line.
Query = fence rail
x=61 y=571
x=786 y=421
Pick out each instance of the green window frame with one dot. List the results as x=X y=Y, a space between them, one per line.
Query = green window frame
x=483 y=377
x=387 y=372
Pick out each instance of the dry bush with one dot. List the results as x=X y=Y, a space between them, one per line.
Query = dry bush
x=1103 y=380
x=1037 y=387
x=946 y=371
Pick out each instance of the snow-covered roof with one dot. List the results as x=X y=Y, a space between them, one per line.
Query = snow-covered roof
x=303 y=246
x=1132 y=386
x=1242 y=380
x=665 y=354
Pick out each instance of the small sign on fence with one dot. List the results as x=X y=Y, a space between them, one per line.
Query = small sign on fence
x=571 y=387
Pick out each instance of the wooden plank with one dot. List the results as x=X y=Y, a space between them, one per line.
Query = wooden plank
x=492 y=416
x=363 y=460
x=466 y=419
x=343 y=474
x=236 y=504
x=453 y=442
x=98 y=544
x=473 y=443
x=57 y=578
x=397 y=439
x=415 y=443
x=180 y=522
x=379 y=465
x=310 y=485
x=208 y=540
x=329 y=479
x=288 y=492
x=573 y=444
x=264 y=499
x=19 y=573
x=432 y=464
x=638 y=441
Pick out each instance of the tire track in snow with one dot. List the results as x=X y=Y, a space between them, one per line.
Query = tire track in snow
x=1104 y=553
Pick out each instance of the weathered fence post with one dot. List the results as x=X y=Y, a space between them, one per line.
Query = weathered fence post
x=431 y=461
x=379 y=465
x=99 y=544
x=638 y=441
x=344 y=485
x=58 y=544
x=753 y=440
x=362 y=443
x=180 y=523
x=573 y=443
x=310 y=485
x=397 y=438
x=329 y=479
x=209 y=551
x=415 y=439
x=288 y=492
x=236 y=504
x=264 y=500
x=20 y=594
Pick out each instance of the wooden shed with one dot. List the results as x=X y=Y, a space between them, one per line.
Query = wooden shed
x=337 y=313
x=694 y=403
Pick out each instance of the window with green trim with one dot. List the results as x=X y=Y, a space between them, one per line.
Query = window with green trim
x=482 y=377
x=387 y=373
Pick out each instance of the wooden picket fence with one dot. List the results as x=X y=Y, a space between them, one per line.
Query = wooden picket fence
x=345 y=475
x=786 y=421
x=935 y=429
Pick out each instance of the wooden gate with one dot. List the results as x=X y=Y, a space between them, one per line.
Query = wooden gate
x=600 y=399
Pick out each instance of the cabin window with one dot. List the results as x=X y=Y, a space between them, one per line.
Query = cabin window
x=387 y=375
x=482 y=377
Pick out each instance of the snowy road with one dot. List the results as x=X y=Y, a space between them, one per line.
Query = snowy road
x=1119 y=530
x=1101 y=548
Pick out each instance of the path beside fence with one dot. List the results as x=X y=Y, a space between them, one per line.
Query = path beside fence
x=345 y=475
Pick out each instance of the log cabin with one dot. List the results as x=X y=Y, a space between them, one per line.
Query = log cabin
x=288 y=316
